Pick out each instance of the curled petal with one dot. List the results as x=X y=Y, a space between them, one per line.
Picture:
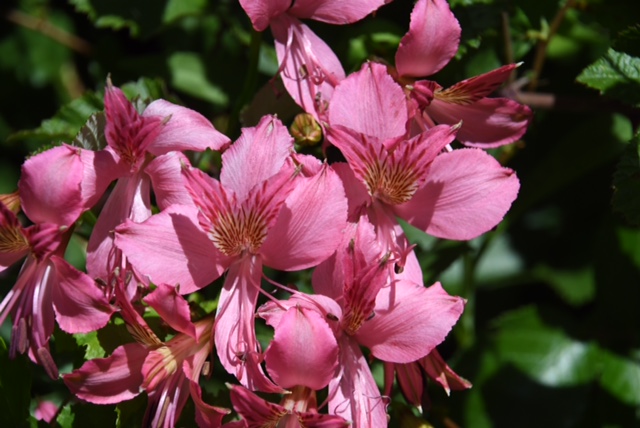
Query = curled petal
x=50 y=186
x=432 y=40
x=109 y=380
x=486 y=123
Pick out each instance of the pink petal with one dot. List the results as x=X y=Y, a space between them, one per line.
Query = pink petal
x=309 y=68
x=235 y=336
x=182 y=254
x=45 y=411
x=206 y=415
x=183 y=129
x=302 y=340
x=310 y=224
x=355 y=395
x=100 y=169
x=411 y=382
x=259 y=154
x=167 y=182
x=261 y=12
x=109 y=380
x=80 y=306
x=439 y=370
x=357 y=194
x=489 y=122
x=410 y=320
x=172 y=308
x=130 y=199
x=50 y=186
x=253 y=409
x=337 y=12
x=467 y=193
x=381 y=109
x=432 y=40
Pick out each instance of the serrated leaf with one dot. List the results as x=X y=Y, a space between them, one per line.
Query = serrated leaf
x=15 y=389
x=545 y=353
x=621 y=377
x=91 y=136
x=189 y=76
x=626 y=183
x=90 y=341
x=616 y=74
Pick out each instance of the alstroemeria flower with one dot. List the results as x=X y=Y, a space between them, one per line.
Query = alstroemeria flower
x=455 y=195
x=55 y=188
x=398 y=321
x=264 y=210
x=309 y=68
x=430 y=43
x=141 y=146
x=167 y=371
x=303 y=358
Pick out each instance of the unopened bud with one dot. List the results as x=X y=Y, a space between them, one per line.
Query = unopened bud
x=305 y=130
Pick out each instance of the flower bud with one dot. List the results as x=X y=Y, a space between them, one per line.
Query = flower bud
x=305 y=130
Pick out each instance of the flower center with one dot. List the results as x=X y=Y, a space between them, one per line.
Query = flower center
x=235 y=233
x=12 y=240
x=392 y=183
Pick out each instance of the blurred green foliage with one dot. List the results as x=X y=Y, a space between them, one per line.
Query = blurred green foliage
x=551 y=333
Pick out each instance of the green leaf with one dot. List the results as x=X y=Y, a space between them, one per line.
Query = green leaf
x=141 y=18
x=626 y=183
x=90 y=341
x=15 y=389
x=621 y=377
x=575 y=287
x=91 y=136
x=616 y=74
x=546 y=354
x=189 y=76
x=176 y=9
x=66 y=417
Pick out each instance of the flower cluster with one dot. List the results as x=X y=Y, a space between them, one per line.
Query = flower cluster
x=269 y=206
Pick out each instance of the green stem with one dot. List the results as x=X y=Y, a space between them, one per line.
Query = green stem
x=467 y=329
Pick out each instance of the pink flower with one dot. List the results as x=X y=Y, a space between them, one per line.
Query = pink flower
x=309 y=68
x=264 y=210
x=399 y=322
x=55 y=189
x=168 y=372
x=430 y=43
x=141 y=147
x=455 y=195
